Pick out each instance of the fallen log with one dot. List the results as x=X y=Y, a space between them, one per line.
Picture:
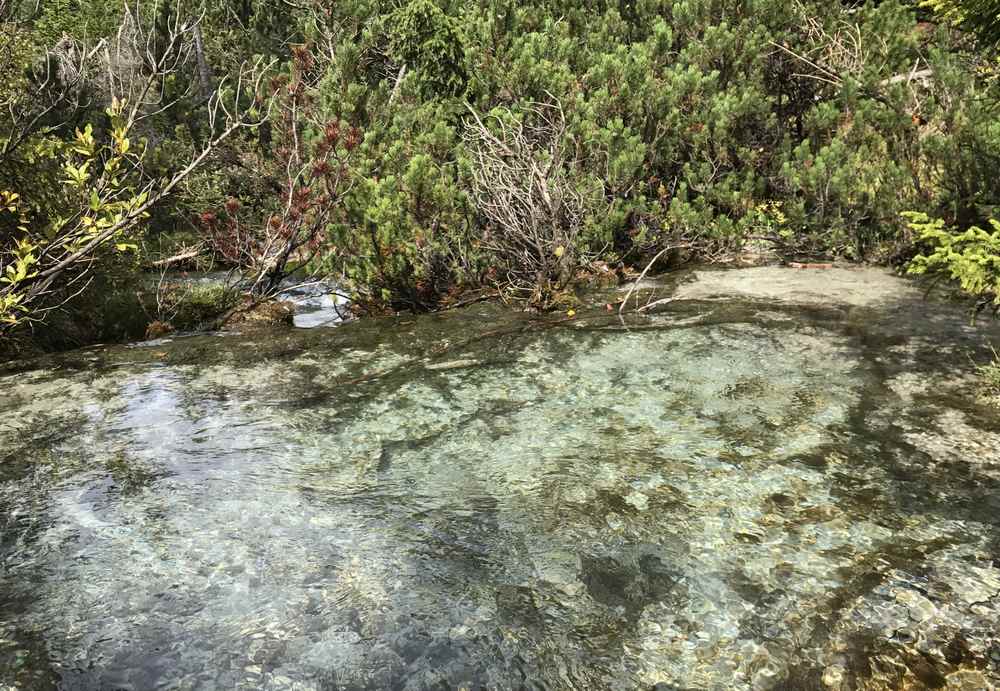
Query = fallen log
x=177 y=258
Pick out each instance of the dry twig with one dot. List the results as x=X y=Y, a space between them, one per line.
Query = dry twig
x=523 y=188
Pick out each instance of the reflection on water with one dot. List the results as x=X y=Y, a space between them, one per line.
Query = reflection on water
x=762 y=501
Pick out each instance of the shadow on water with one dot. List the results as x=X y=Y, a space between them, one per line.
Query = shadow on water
x=736 y=494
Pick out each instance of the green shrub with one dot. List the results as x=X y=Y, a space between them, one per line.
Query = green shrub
x=406 y=235
x=430 y=43
x=809 y=125
x=189 y=306
x=970 y=258
x=979 y=16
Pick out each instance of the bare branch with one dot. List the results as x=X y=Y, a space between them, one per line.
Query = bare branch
x=523 y=188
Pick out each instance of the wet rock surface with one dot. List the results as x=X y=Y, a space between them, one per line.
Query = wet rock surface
x=732 y=491
x=853 y=286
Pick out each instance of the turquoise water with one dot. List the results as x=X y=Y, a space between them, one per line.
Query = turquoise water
x=720 y=496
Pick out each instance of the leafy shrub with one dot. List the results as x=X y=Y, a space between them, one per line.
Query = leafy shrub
x=971 y=258
x=808 y=127
x=406 y=236
x=430 y=43
x=980 y=16
x=192 y=306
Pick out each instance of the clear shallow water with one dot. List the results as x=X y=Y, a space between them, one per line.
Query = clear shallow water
x=721 y=496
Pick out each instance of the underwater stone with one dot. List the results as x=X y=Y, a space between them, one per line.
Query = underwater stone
x=920 y=607
x=637 y=499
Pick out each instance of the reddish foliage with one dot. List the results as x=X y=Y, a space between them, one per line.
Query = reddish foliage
x=310 y=174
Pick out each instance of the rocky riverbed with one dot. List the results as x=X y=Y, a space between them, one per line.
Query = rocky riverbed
x=769 y=479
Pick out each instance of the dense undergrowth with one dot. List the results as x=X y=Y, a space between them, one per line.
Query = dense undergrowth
x=416 y=150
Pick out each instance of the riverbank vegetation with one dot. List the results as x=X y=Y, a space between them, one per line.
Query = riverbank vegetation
x=419 y=151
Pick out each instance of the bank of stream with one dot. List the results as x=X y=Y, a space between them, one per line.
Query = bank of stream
x=770 y=479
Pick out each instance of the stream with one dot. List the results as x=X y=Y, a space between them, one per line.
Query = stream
x=773 y=479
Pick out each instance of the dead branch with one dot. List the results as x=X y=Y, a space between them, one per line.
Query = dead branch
x=635 y=284
x=845 y=51
x=523 y=187
x=921 y=76
x=178 y=258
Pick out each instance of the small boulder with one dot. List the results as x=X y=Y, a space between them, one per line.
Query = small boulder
x=158 y=329
x=269 y=313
